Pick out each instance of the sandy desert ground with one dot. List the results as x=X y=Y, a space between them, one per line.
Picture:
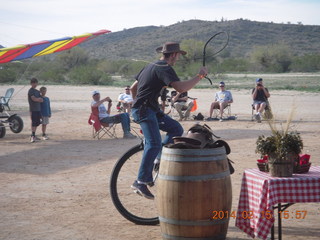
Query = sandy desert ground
x=59 y=189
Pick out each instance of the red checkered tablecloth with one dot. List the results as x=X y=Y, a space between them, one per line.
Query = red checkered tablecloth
x=260 y=192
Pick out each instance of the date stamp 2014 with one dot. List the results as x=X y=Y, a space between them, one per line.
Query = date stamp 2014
x=297 y=214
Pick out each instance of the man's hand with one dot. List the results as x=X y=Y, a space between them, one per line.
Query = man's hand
x=36 y=99
x=107 y=99
x=203 y=71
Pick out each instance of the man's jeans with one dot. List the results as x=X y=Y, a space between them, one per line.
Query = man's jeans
x=150 y=122
x=122 y=117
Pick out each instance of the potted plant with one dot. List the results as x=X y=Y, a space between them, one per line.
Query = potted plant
x=282 y=148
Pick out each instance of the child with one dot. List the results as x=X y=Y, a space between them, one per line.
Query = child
x=45 y=112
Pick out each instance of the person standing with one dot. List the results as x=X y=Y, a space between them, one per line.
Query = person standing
x=260 y=95
x=34 y=99
x=45 y=112
x=146 y=111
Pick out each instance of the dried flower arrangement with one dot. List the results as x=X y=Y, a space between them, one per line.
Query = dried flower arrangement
x=282 y=148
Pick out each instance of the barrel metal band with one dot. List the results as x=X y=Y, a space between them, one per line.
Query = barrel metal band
x=193 y=158
x=193 y=223
x=195 y=178
x=203 y=151
x=216 y=237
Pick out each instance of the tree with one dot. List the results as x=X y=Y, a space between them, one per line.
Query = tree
x=73 y=57
x=9 y=72
x=7 y=75
x=194 y=49
x=306 y=63
x=185 y=67
x=234 y=65
x=271 y=58
x=108 y=66
x=88 y=74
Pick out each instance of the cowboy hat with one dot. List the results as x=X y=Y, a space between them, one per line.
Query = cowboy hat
x=170 y=47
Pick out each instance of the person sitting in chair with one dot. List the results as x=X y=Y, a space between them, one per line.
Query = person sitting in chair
x=105 y=117
x=126 y=100
x=164 y=98
x=260 y=95
x=221 y=100
x=181 y=103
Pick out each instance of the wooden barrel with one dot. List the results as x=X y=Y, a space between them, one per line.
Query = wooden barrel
x=192 y=187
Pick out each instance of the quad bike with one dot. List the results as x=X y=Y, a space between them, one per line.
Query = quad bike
x=14 y=122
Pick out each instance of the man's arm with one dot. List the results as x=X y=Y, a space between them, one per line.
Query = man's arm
x=163 y=105
x=35 y=99
x=185 y=86
x=97 y=104
x=254 y=93
x=109 y=107
x=120 y=97
x=216 y=97
x=134 y=88
x=179 y=98
x=266 y=92
x=230 y=98
x=49 y=107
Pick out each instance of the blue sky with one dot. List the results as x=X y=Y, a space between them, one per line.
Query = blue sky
x=28 y=21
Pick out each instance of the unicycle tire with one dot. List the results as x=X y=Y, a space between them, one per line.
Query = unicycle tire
x=130 y=205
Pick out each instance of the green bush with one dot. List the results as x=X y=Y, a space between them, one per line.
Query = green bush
x=234 y=65
x=52 y=76
x=271 y=58
x=306 y=63
x=7 y=75
x=88 y=75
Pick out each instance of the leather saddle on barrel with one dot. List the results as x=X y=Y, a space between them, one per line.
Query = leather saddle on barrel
x=201 y=136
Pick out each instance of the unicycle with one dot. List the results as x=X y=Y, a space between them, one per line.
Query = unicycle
x=130 y=205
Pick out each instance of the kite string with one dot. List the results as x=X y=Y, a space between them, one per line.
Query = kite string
x=23 y=74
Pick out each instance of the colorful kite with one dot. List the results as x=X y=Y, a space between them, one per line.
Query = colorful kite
x=44 y=47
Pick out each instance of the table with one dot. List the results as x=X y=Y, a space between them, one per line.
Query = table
x=260 y=194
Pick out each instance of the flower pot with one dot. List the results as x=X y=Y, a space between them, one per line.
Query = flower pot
x=281 y=167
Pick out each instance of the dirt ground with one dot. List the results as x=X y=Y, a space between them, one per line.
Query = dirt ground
x=59 y=188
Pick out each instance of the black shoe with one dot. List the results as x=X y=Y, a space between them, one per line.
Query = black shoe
x=142 y=190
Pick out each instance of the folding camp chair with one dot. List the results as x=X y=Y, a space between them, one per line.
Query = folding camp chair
x=172 y=110
x=267 y=114
x=100 y=129
x=119 y=107
x=4 y=100
x=174 y=113
x=225 y=115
